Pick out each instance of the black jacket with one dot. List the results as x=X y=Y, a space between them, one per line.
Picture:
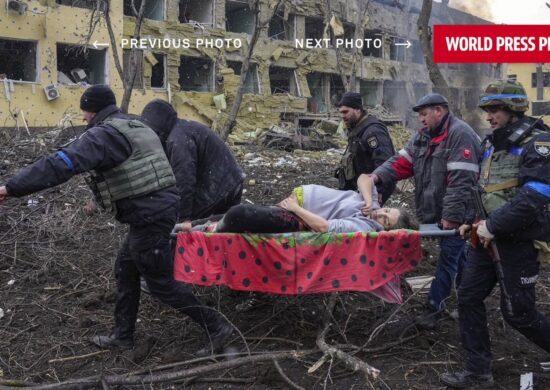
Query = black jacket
x=101 y=148
x=206 y=171
x=370 y=145
x=527 y=215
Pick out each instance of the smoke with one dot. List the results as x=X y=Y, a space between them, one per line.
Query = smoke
x=481 y=9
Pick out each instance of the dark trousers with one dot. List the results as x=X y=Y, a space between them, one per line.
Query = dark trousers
x=146 y=251
x=478 y=280
x=447 y=274
x=248 y=218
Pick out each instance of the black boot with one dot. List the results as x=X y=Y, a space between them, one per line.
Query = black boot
x=465 y=379
x=113 y=342
x=216 y=339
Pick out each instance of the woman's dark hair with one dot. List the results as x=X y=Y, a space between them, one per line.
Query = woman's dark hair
x=406 y=220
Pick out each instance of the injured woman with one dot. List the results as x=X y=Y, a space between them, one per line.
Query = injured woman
x=314 y=208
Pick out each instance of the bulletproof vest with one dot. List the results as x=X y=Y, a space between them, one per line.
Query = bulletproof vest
x=500 y=172
x=356 y=158
x=146 y=170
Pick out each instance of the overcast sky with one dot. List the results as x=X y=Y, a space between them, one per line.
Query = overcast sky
x=507 y=11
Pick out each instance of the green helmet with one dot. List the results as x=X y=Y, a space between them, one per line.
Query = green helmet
x=505 y=93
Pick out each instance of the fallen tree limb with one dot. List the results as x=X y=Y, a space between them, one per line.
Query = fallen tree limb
x=118 y=380
x=68 y=359
x=285 y=377
x=351 y=362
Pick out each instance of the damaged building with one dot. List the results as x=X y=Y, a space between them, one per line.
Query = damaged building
x=47 y=60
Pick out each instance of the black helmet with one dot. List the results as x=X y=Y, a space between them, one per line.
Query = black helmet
x=433 y=99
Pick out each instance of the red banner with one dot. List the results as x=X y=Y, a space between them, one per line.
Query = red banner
x=491 y=43
x=298 y=263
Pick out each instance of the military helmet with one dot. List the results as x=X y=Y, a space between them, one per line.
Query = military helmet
x=505 y=93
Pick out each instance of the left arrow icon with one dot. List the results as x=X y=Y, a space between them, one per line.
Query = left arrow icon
x=97 y=44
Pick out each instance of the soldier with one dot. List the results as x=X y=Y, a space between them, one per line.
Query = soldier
x=208 y=177
x=515 y=174
x=369 y=145
x=130 y=177
x=443 y=159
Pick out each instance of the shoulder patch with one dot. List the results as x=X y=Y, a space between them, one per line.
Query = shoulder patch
x=542 y=148
x=372 y=142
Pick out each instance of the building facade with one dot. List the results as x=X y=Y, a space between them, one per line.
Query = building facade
x=308 y=54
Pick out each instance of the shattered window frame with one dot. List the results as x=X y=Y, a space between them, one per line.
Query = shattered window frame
x=372 y=51
x=164 y=70
x=252 y=78
x=288 y=26
x=397 y=52
x=320 y=94
x=185 y=19
x=210 y=78
x=126 y=58
x=127 y=9
x=293 y=86
x=371 y=91
x=20 y=66
x=239 y=6
x=84 y=4
x=94 y=74
x=311 y=20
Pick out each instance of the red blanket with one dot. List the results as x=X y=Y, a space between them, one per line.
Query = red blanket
x=298 y=263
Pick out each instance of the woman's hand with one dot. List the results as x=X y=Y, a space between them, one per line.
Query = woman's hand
x=366 y=209
x=290 y=203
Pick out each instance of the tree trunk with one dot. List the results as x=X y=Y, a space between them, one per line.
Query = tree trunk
x=232 y=117
x=439 y=83
x=134 y=53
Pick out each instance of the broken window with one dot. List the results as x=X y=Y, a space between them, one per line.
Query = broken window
x=374 y=44
x=89 y=4
x=397 y=48
x=18 y=60
x=158 y=72
x=196 y=11
x=314 y=28
x=371 y=92
x=196 y=74
x=283 y=80
x=349 y=30
x=127 y=67
x=154 y=9
x=77 y=64
x=318 y=88
x=545 y=79
x=239 y=17
x=513 y=77
x=279 y=28
x=252 y=82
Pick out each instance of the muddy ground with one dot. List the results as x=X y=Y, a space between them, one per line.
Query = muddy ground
x=57 y=291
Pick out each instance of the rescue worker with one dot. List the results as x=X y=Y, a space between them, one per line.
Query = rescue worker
x=443 y=157
x=369 y=145
x=515 y=174
x=130 y=177
x=208 y=177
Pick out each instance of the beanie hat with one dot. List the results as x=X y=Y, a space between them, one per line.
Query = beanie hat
x=352 y=100
x=97 y=97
